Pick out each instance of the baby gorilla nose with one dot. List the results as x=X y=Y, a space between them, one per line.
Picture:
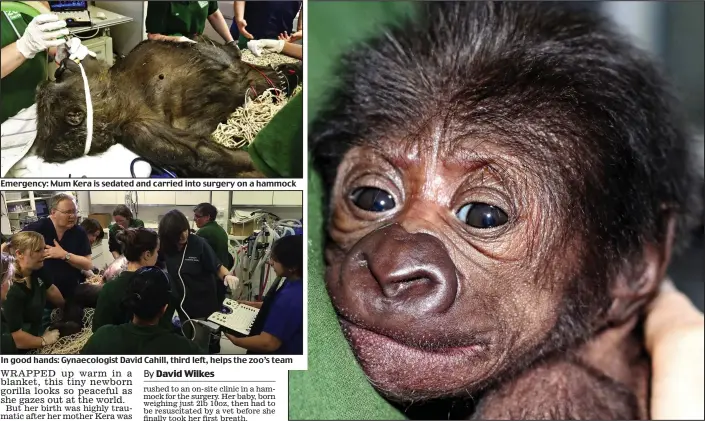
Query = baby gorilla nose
x=403 y=274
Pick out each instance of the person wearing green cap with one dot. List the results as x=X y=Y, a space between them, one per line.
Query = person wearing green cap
x=184 y=21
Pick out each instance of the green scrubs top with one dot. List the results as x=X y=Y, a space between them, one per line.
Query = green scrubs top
x=113 y=244
x=131 y=339
x=7 y=344
x=23 y=308
x=18 y=87
x=217 y=238
x=277 y=150
x=178 y=18
x=110 y=311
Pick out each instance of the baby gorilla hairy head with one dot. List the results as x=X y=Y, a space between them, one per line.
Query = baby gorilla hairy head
x=504 y=182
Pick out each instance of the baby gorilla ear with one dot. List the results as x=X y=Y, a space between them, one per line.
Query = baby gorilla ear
x=75 y=116
x=634 y=288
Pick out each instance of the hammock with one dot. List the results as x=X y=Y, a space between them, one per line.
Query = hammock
x=246 y=122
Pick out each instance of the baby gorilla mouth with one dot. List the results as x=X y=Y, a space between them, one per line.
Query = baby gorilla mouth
x=396 y=296
x=407 y=369
x=427 y=346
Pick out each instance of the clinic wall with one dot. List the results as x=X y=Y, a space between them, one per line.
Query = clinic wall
x=127 y=35
x=150 y=214
x=641 y=20
x=673 y=33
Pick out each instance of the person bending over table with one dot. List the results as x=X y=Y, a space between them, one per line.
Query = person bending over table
x=147 y=298
x=278 y=328
x=95 y=234
x=194 y=271
x=122 y=215
x=141 y=247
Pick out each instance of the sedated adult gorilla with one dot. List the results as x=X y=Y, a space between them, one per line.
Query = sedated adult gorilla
x=505 y=183
x=162 y=101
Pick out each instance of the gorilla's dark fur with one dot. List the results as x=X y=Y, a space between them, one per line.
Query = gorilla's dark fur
x=162 y=101
x=71 y=318
x=536 y=110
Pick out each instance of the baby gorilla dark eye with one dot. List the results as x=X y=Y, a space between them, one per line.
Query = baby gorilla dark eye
x=482 y=215
x=372 y=199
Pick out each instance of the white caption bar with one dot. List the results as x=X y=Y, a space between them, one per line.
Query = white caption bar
x=151 y=184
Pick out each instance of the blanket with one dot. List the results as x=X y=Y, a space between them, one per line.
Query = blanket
x=18 y=134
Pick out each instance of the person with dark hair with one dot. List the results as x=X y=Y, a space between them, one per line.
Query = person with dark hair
x=204 y=215
x=141 y=249
x=93 y=230
x=122 y=215
x=146 y=297
x=279 y=326
x=194 y=271
x=95 y=234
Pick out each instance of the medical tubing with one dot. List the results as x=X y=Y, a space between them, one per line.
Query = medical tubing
x=89 y=112
x=188 y=318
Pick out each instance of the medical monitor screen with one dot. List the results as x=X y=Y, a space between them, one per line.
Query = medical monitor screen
x=42 y=208
x=65 y=6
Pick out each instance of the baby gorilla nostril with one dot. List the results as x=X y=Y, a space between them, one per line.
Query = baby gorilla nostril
x=414 y=271
x=404 y=286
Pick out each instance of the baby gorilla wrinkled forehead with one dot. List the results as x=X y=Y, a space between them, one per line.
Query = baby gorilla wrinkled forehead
x=503 y=182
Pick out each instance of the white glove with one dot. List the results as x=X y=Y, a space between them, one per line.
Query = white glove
x=78 y=50
x=41 y=34
x=50 y=337
x=265 y=46
x=185 y=39
x=231 y=281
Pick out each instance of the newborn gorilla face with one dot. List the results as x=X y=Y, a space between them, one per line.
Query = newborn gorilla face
x=501 y=189
x=434 y=255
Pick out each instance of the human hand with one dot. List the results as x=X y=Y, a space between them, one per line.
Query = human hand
x=241 y=24
x=55 y=252
x=291 y=38
x=185 y=39
x=50 y=337
x=78 y=50
x=42 y=33
x=674 y=333
x=231 y=282
x=265 y=46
